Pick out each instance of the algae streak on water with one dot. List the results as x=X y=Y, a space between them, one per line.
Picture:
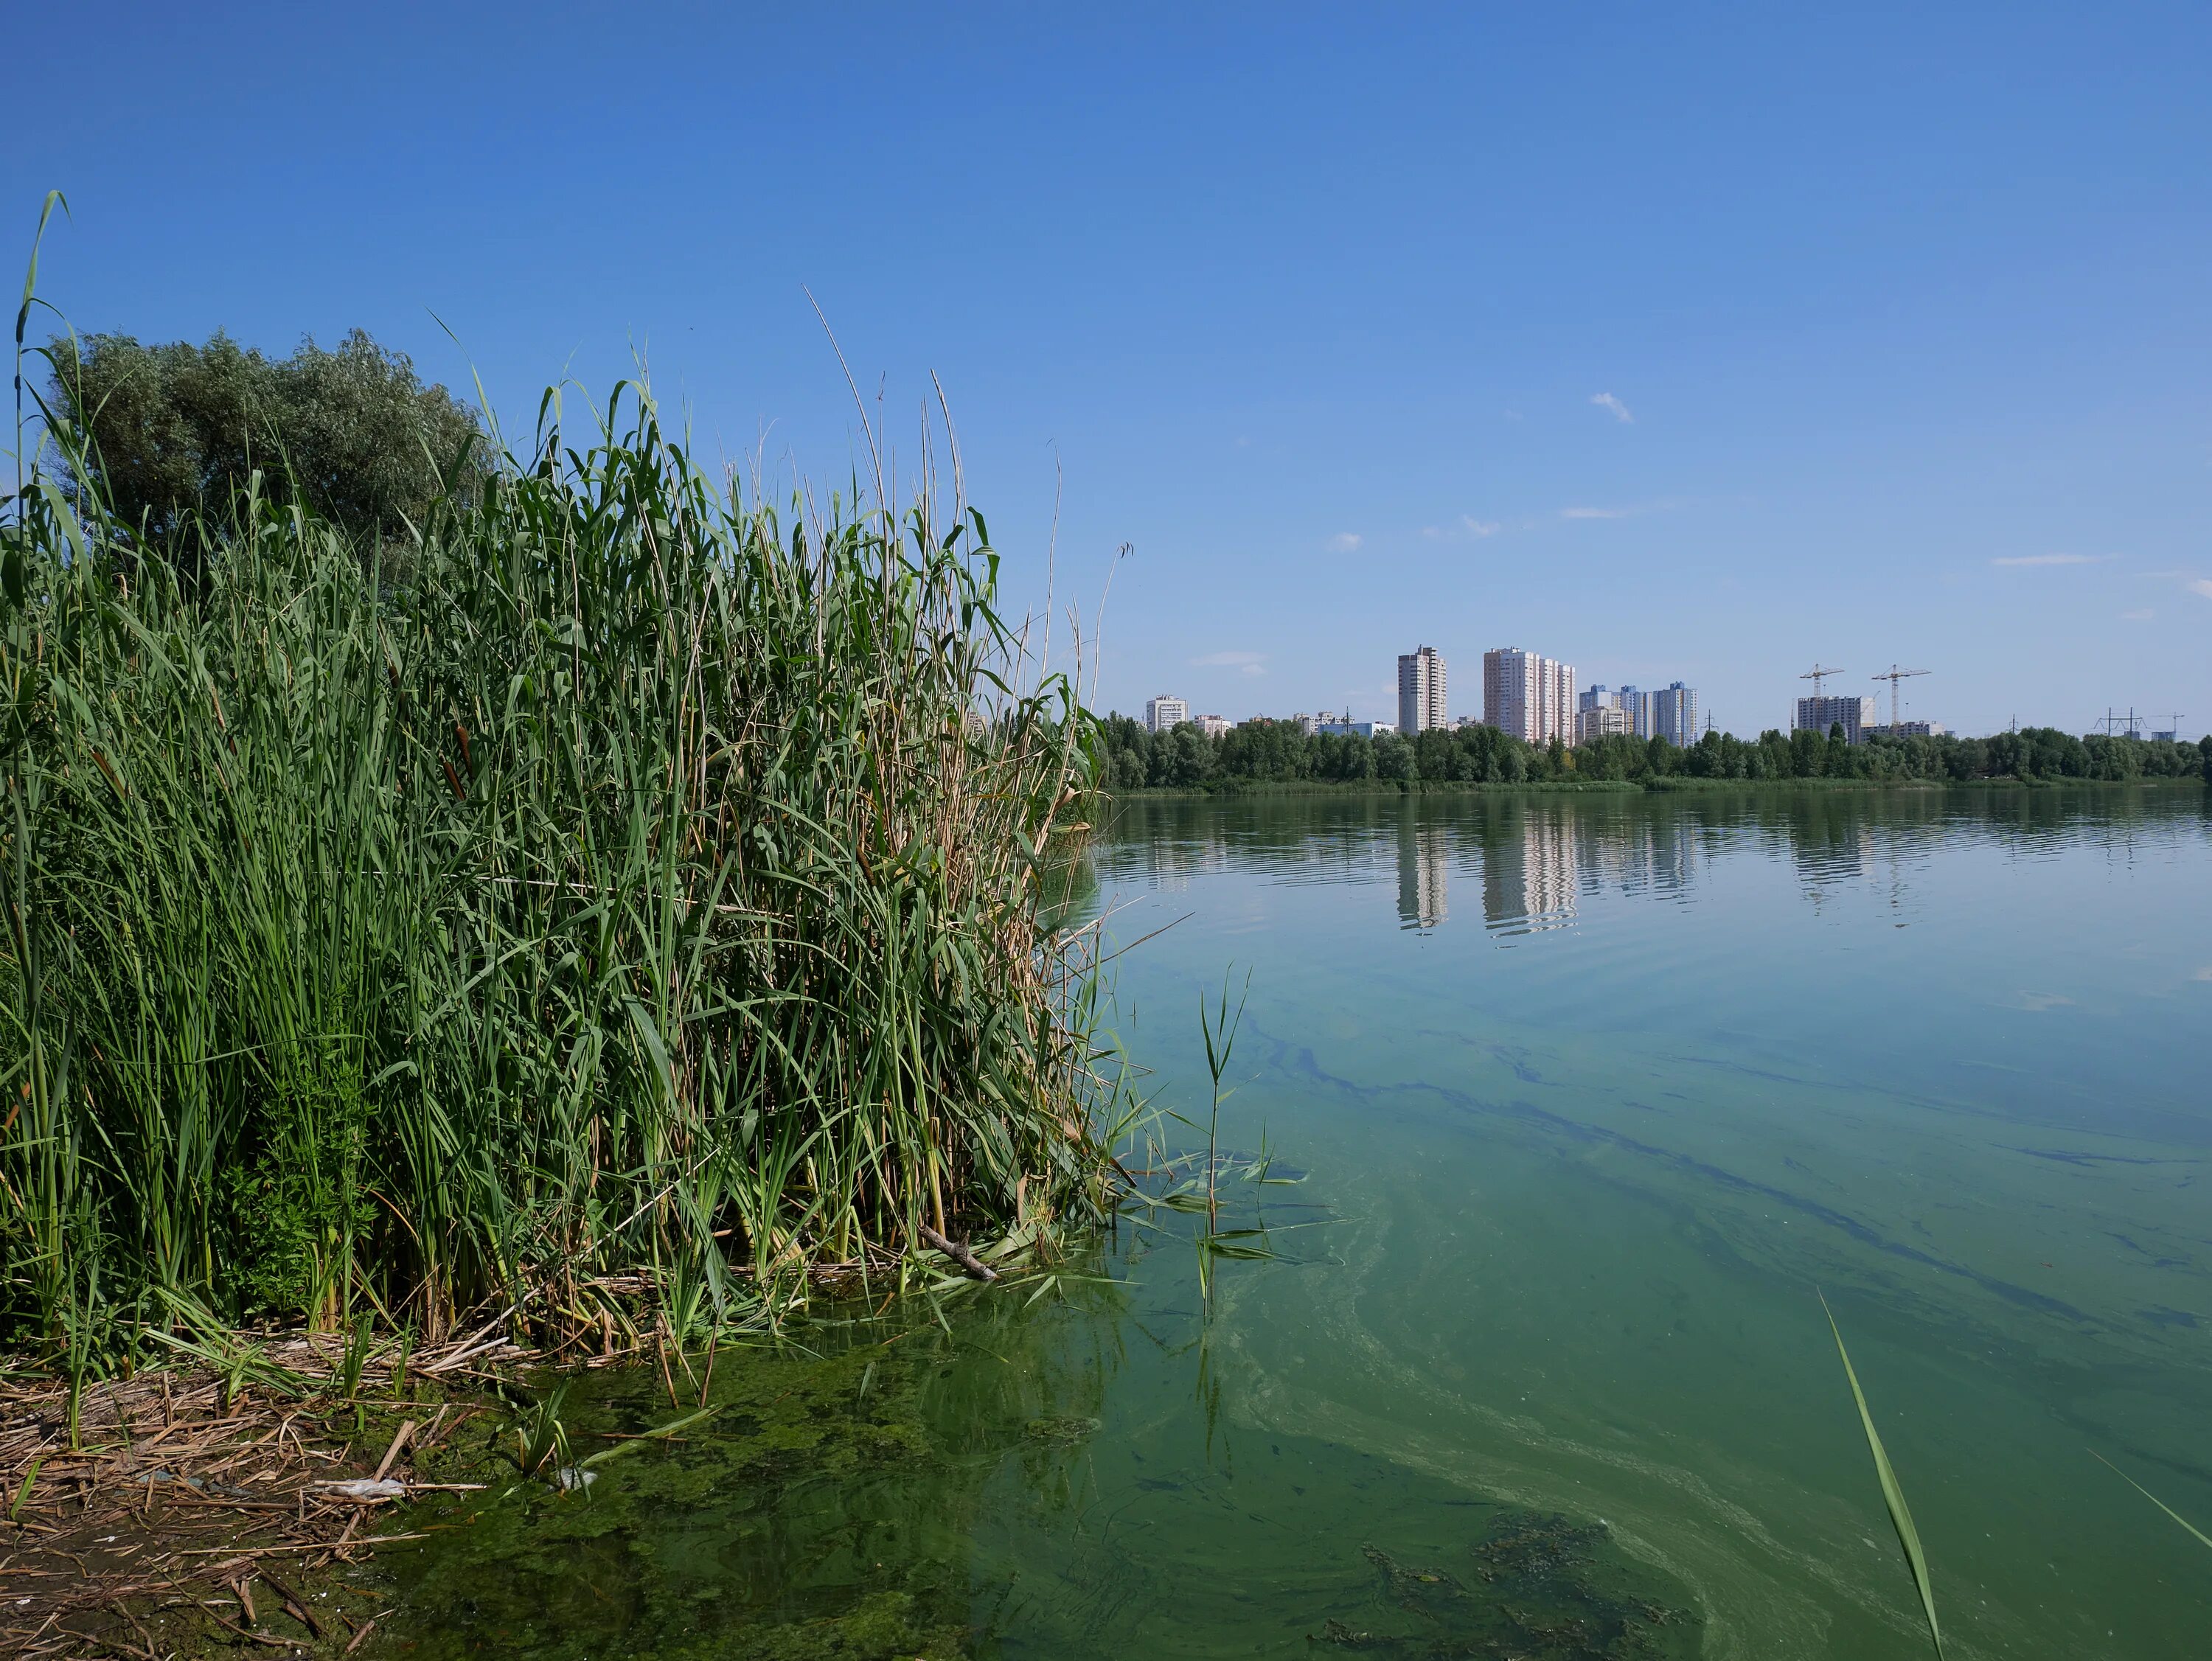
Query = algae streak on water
x=1025 y=1481
x=825 y=1508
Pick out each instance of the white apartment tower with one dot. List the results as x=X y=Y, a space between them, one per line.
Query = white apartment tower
x=1421 y=691
x=1164 y=713
x=1673 y=714
x=1528 y=695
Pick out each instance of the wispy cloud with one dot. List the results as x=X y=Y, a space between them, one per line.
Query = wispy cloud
x=1247 y=663
x=1344 y=541
x=2200 y=585
x=2053 y=559
x=2142 y=614
x=1606 y=401
x=1595 y=513
x=1475 y=527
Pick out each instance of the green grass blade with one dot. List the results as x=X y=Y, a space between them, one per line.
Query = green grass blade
x=1893 y=1495
x=2201 y=1538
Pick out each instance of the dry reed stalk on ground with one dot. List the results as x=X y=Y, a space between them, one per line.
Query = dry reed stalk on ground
x=180 y=1487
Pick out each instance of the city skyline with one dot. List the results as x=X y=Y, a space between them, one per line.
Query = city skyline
x=1676 y=710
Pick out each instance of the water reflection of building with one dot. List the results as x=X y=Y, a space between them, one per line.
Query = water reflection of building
x=1424 y=875
x=1529 y=874
x=1634 y=855
x=1831 y=841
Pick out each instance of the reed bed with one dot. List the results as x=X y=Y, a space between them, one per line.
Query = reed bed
x=607 y=909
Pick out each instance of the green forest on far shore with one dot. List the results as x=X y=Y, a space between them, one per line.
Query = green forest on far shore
x=1266 y=753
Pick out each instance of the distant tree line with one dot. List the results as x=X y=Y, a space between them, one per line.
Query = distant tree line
x=1281 y=752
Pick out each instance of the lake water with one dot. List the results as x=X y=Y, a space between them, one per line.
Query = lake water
x=1593 y=1095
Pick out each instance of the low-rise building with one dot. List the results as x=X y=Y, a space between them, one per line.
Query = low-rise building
x=1904 y=730
x=1601 y=721
x=1347 y=728
x=1213 y=726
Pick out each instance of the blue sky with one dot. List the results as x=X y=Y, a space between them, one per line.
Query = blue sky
x=1680 y=342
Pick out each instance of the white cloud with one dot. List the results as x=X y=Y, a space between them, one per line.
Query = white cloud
x=2054 y=559
x=1245 y=663
x=1344 y=541
x=1595 y=513
x=2140 y=615
x=2200 y=585
x=1606 y=401
x=1433 y=532
x=1480 y=527
x=2205 y=974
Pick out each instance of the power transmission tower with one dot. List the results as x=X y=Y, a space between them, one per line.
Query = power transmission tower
x=1893 y=675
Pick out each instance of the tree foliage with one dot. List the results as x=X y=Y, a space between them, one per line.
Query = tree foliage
x=1264 y=752
x=176 y=430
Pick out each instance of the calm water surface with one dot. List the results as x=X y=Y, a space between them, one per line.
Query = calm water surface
x=1595 y=1094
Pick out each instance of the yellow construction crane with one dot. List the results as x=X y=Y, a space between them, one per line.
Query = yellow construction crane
x=1816 y=675
x=1893 y=675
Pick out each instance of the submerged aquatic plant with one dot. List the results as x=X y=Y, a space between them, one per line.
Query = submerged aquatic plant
x=622 y=889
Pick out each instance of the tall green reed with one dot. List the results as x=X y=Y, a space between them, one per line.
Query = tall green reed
x=622 y=885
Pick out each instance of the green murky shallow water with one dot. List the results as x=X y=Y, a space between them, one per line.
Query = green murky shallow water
x=1597 y=1091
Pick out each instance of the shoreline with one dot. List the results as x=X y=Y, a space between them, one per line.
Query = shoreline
x=1669 y=785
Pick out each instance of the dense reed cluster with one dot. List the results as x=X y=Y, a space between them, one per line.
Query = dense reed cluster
x=615 y=897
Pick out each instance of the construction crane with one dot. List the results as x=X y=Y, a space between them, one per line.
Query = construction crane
x=1816 y=675
x=1893 y=675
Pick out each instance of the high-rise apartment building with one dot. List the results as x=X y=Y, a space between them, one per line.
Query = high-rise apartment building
x=1673 y=714
x=1528 y=695
x=1854 y=715
x=1163 y=713
x=1421 y=691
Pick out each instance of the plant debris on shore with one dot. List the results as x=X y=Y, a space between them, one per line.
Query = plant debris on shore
x=227 y=1495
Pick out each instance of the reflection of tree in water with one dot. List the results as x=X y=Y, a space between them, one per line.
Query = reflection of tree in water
x=828 y=1510
x=1532 y=1591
